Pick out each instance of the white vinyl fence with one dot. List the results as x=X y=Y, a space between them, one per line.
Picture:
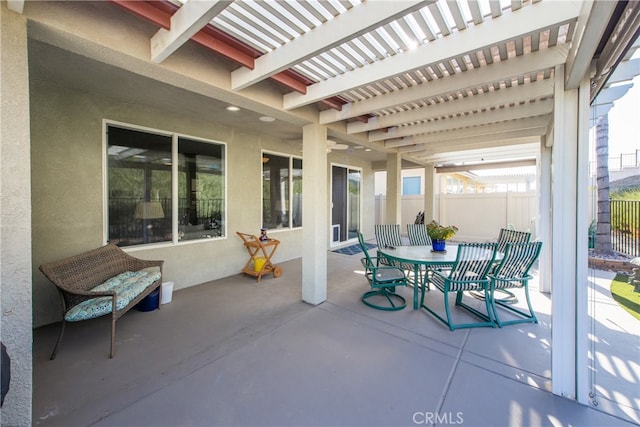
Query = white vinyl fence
x=478 y=216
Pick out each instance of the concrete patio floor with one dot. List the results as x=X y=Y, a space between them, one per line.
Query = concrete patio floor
x=237 y=352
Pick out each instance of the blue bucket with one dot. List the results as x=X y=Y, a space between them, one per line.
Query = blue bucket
x=150 y=302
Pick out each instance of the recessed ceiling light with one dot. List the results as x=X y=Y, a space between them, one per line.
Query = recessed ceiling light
x=267 y=119
x=367 y=149
x=233 y=108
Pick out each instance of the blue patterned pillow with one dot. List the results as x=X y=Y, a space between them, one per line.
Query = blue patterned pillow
x=127 y=286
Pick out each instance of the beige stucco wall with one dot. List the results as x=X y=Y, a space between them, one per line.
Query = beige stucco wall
x=67 y=141
x=67 y=191
x=15 y=217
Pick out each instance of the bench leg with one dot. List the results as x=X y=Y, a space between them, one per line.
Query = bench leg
x=113 y=337
x=55 y=349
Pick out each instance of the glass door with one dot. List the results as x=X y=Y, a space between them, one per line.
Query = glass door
x=355 y=182
x=345 y=201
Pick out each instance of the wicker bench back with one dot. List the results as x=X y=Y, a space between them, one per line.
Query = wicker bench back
x=75 y=276
x=89 y=269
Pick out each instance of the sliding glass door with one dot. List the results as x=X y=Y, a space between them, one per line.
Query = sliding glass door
x=346 y=186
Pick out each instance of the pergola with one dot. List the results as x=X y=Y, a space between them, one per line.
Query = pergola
x=430 y=84
x=485 y=70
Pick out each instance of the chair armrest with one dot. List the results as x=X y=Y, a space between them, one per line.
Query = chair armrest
x=376 y=266
x=388 y=267
x=498 y=277
x=71 y=298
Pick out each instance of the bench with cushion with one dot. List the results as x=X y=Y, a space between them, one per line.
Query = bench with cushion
x=103 y=281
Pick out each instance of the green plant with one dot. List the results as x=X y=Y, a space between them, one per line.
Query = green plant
x=440 y=232
x=622 y=292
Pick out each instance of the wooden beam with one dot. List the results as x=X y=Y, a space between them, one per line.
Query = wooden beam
x=335 y=32
x=514 y=94
x=517 y=24
x=185 y=23
x=539 y=60
x=290 y=81
x=223 y=49
x=481 y=166
x=16 y=5
x=147 y=11
x=498 y=115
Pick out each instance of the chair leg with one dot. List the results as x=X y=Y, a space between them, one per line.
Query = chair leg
x=527 y=317
x=488 y=308
x=447 y=311
x=396 y=302
x=424 y=275
x=388 y=296
x=55 y=348
x=488 y=317
x=531 y=312
x=424 y=286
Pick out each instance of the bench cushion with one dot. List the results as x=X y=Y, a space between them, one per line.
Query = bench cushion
x=127 y=286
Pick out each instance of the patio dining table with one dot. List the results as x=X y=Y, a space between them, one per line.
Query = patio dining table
x=423 y=256
x=420 y=256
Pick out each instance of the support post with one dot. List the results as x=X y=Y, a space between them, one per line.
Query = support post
x=315 y=232
x=564 y=262
x=429 y=192
x=583 y=329
x=394 y=189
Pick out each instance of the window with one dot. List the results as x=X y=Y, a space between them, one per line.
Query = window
x=411 y=185
x=453 y=186
x=201 y=189
x=281 y=191
x=142 y=197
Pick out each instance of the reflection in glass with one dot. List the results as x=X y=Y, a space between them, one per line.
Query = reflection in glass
x=281 y=207
x=200 y=190
x=141 y=202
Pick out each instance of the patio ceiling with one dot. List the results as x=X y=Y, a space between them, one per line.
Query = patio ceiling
x=443 y=82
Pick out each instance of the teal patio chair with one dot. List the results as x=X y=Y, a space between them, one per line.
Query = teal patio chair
x=469 y=273
x=418 y=235
x=513 y=272
x=388 y=235
x=508 y=235
x=383 y=281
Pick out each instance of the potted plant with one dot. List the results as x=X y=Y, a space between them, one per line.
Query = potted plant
x=439 y=233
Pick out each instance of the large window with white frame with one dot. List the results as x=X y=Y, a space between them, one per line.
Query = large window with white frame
x=281 y=191
x=163 y=187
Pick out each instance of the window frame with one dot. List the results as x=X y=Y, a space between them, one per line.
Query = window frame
x=175 y=136
x=290 y=157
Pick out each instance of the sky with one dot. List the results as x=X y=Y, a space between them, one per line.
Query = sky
x=624 y=122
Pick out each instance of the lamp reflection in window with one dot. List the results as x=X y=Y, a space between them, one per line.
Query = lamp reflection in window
x=148 y=211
